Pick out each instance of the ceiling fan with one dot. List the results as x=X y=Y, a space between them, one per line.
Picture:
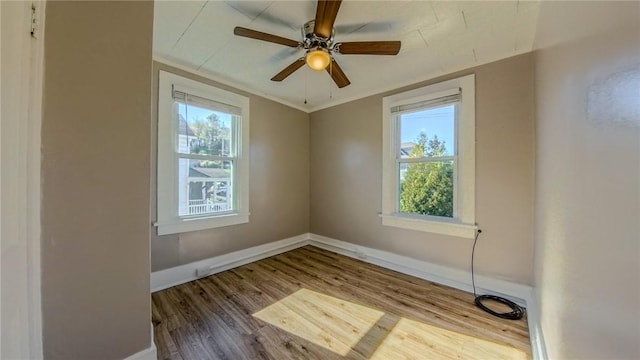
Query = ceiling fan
x=319 y=46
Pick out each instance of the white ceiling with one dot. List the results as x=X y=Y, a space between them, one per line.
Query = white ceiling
x=437 y=37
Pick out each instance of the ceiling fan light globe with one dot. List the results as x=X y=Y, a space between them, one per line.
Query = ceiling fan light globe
x=318 y=59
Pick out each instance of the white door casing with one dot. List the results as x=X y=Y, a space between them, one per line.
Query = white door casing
x=21 y=101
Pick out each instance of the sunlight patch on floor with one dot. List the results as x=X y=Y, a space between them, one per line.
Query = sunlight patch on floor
x=339 y=325
x=411 y=339
x=332 y=323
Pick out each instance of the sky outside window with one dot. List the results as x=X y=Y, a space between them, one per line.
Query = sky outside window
x=435 y=121
x=197 y=113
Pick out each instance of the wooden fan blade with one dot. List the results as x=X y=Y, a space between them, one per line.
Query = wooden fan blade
x=326 y=12
x=337 y=74
x=240 y=31
x=288 y=70
x=368 y=48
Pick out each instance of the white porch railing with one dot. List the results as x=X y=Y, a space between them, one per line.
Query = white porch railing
x=197 y=207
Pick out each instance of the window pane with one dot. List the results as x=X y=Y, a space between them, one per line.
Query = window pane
x=203 y=131
x=428 y=132
x=204 y=186
x=426 y=188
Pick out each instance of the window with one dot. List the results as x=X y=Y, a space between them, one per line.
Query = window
x=203 y=150
x=429 y=158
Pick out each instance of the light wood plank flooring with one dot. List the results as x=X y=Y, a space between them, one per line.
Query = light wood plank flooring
x=314 y=304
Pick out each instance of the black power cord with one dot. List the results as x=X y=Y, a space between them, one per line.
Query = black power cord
x=517 y=311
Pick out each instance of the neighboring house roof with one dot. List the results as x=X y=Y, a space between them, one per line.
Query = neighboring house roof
x=405 y=148
x=209 y=172
x=183 y=127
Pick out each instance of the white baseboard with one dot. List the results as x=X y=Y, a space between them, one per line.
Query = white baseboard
x=150 y=353
x=538 y=347
x=167 y=278
x=455 y=278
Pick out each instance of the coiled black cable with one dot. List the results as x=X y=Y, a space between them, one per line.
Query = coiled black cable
x=517 y=311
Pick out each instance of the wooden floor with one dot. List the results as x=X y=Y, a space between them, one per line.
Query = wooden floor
x=314 y=304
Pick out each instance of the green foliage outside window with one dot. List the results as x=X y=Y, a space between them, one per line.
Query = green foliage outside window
x=212 y=136
x=427 y=187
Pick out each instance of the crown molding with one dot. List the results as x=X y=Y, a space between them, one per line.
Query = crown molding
x=228 y=82
x=371 y=92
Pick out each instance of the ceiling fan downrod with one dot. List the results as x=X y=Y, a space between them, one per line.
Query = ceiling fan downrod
x=311 y=39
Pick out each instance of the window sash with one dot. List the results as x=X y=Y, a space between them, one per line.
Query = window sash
x=206 y=157
x=187 y=99
x=427 y=159
x=454 y=164
x=449 y=97
x=231 y=190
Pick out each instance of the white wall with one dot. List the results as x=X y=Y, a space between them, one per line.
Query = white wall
x=587 y=268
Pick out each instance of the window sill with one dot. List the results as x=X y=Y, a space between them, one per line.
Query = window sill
x=443 y=227
x=186 y=225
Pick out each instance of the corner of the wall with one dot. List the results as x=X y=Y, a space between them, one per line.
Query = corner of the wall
x=150 y=353
x=538 y=347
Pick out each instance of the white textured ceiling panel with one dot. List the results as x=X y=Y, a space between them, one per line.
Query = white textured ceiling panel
x=437 y=37
x=171 y=19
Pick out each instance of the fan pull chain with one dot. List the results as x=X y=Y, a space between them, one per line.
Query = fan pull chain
x=331 y=76
x=306 y=83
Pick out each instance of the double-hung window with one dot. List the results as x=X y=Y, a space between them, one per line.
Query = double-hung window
x=203 y=150
x=429 y=158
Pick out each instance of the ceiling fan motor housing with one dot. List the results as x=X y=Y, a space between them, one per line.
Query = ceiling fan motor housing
x=311 y=40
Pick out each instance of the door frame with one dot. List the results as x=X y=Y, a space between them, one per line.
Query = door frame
x=20 y=189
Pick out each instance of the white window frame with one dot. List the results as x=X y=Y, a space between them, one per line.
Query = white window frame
x=168 y=220
x=463 y=223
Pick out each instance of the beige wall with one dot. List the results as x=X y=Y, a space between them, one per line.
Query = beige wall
x=95 y=179
x=278 y=191
x=346 y=165
x=588 y=196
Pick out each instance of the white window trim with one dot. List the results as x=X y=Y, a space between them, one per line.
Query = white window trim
x=168 y=220
x=463 y=225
